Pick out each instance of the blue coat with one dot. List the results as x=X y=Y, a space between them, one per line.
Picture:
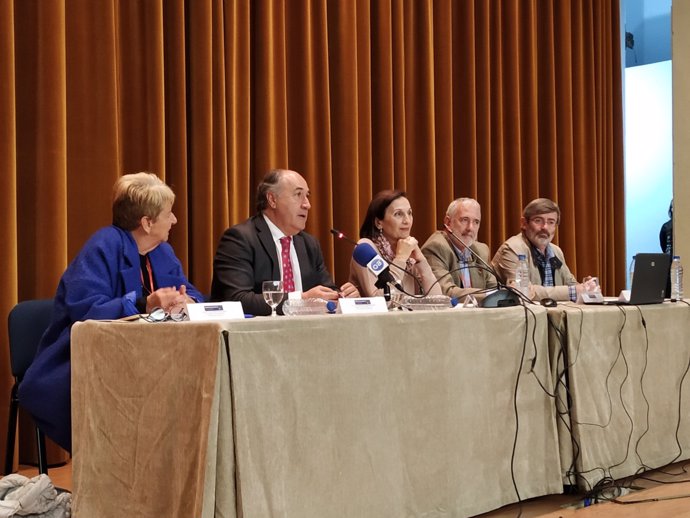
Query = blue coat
x=102 y=282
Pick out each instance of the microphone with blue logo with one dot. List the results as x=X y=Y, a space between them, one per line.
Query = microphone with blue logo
x=365 y=255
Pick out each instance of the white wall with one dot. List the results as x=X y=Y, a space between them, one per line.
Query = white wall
x=650 y=23
x=648 y=154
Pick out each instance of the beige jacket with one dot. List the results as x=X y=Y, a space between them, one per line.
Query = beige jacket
x=506 y=260
x=364 y=280
x=445 y=264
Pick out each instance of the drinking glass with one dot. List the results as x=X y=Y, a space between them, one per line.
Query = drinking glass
x=273 y=294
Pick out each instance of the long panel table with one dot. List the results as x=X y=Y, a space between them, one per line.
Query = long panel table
x=401 y=414
x=624 y=397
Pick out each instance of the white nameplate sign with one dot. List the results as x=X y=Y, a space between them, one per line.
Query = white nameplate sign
x=624 y=296
x=363 y=305
x=215 y=311
x=590 y=297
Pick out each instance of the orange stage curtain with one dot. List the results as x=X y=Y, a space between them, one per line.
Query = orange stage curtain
x=501 y=100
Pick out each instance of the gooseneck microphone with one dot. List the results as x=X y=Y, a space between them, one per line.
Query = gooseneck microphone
x=474 y=254
x=504 y=296
x=341 y=235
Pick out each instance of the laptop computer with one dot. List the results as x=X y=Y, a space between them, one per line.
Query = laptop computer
x=649 y=280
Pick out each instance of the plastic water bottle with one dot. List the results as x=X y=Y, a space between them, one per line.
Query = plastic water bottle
x=296 y=307
x=676 y=278
x=522 y=275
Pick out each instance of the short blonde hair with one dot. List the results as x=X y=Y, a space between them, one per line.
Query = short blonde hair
x=138 y=195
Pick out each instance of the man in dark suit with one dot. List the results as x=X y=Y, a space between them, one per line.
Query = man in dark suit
x=272 y=245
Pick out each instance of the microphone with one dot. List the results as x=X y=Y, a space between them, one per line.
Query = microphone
x=474 y=254
x=555 y=263
x=341 y=235
x=365 y=255
x=503 y=296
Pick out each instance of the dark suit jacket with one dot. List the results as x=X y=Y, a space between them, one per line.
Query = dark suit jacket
x=246 y=256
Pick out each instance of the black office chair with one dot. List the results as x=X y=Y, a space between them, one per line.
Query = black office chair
x=27 y=322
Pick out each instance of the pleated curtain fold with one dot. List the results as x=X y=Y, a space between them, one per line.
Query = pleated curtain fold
x=501 y=100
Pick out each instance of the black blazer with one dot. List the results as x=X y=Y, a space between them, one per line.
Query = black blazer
x=246 y=256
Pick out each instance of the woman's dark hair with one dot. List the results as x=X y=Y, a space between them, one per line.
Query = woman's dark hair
x=377 y=210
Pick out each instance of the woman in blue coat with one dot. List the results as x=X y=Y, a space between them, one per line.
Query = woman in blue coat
x=122 y=270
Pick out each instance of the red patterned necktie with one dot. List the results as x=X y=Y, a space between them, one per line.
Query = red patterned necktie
x=288 y=277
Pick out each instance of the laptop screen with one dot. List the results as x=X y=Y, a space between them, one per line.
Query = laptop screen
x=649 y=278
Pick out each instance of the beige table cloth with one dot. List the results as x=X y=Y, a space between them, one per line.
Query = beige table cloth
x=627 y=379
x=401 y=414
x=149 y=437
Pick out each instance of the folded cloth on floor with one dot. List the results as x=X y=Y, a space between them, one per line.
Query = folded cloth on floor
x=32 y=497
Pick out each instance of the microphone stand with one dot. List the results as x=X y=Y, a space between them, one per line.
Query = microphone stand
x=381 y=284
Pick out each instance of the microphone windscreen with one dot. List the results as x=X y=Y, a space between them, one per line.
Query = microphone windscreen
x=331 y=306
x=363 y=253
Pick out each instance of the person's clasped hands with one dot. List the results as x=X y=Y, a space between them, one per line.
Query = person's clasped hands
x=588 y=285
x=591 y=285
x=323 y=292
x=408 y=248
x=168 y=298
